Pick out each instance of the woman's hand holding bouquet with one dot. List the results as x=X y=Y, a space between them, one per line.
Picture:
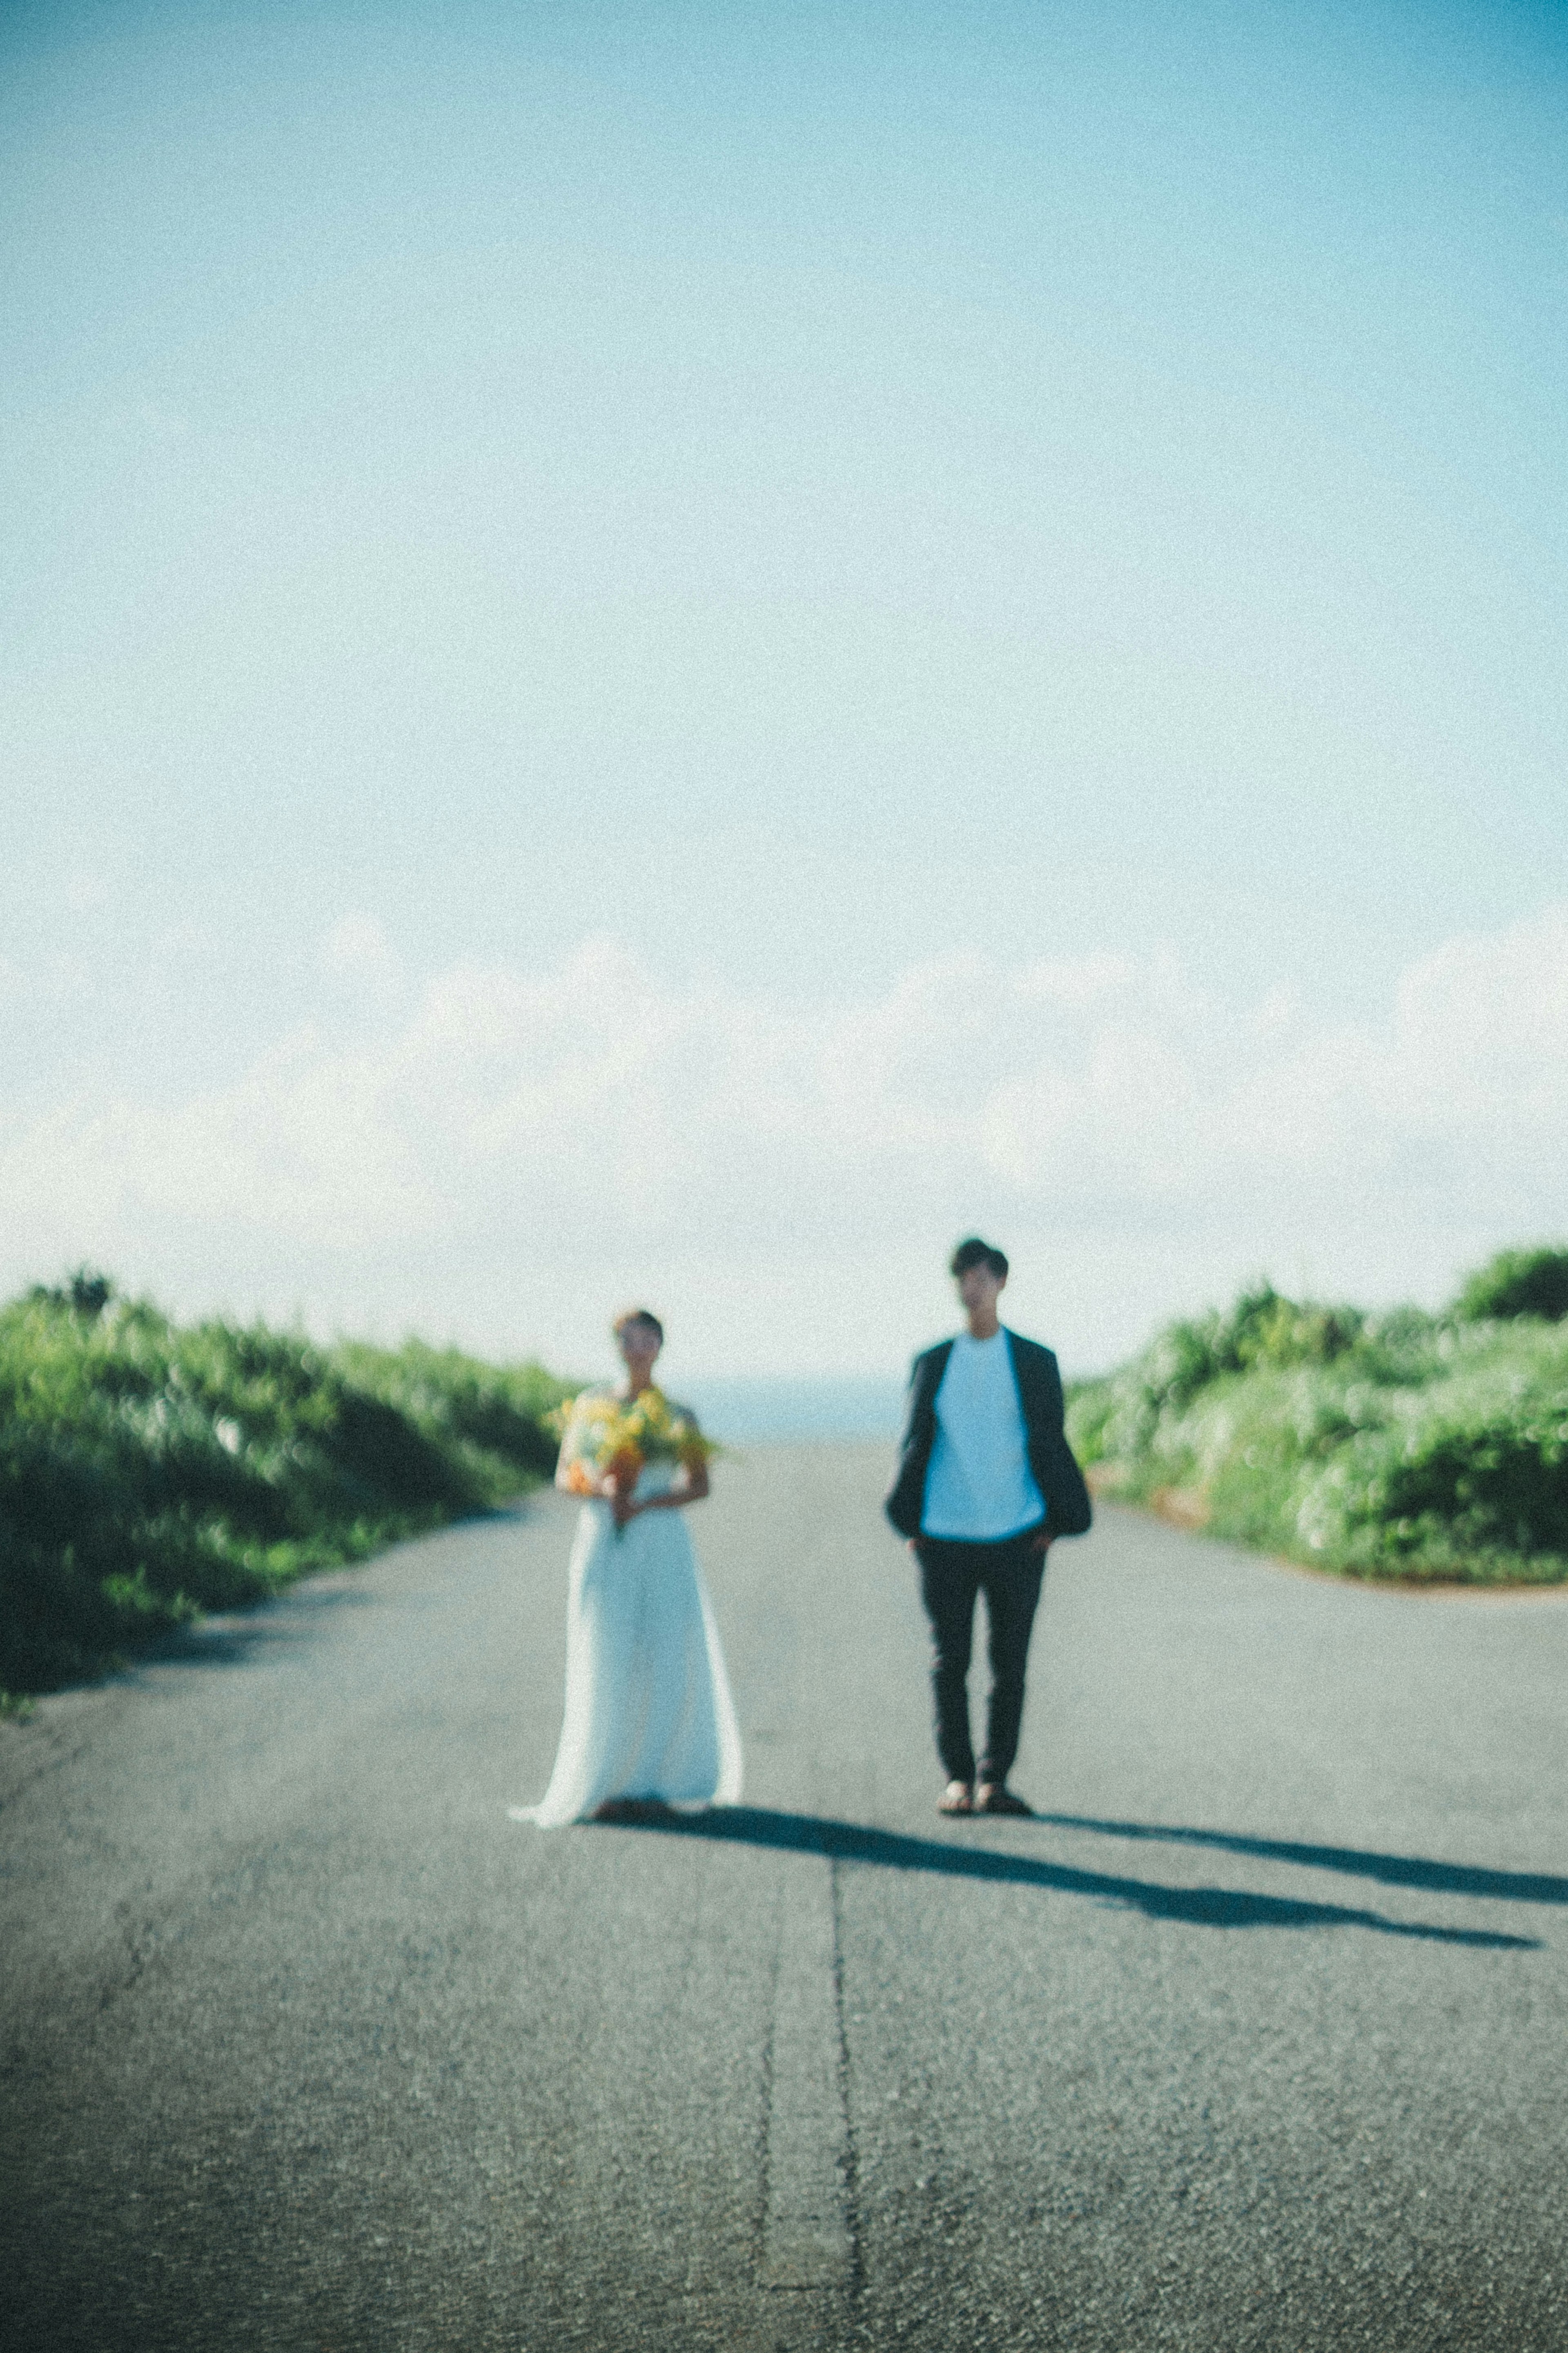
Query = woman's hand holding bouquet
x=620 y=1482
x=608 y=1439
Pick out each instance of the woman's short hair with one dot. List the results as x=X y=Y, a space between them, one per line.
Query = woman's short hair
x=975 y=1252
x=638 y=1315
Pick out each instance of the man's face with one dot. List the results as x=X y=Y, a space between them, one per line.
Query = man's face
x=979 y=1289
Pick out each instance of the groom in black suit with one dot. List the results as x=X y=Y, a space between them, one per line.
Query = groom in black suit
x=986 y=1483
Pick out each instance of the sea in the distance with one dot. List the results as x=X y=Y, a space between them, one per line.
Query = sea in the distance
x=774 y=1411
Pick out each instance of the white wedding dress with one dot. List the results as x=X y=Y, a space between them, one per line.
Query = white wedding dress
x=648 y=1710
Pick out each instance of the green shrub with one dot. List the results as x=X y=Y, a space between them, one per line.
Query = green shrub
x=1391 y=1445
x=150 y=1470
x=489 y=1419
x=1517 y=1282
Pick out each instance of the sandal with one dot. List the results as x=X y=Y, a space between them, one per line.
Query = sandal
x=958 y=1798
x=997 y=1798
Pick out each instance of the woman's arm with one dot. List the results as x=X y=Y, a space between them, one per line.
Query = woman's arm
x=690 y=1487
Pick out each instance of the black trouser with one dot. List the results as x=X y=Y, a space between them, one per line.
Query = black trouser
x=1009 y=1575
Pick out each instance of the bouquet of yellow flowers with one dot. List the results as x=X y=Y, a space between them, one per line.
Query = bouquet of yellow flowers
x=606 y=1436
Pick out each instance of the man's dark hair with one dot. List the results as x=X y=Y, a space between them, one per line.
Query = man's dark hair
x=975 y=1252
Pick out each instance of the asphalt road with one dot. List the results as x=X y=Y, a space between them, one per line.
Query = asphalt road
x=1258 y=2039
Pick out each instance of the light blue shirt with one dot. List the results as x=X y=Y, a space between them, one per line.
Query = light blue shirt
x=979 y=1486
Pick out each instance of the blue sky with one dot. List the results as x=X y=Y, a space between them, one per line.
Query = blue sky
x=683 y=650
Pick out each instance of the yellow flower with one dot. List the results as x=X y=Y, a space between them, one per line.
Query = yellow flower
x=601 y=1427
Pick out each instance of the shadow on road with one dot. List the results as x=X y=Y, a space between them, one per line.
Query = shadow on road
x=1203 y=1907
x=280 y=1621
x=1392 y=1870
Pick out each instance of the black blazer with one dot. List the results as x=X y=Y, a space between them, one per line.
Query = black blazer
x=1057 y=1476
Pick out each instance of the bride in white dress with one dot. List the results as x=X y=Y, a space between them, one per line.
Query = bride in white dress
x=649 y=1720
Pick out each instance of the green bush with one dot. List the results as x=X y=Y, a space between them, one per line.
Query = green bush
x=1517 y=1282
x=1403 y=1445
x=150 y=1470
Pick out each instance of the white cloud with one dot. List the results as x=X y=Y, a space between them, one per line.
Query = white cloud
x=510 y=1145
x=357 y=948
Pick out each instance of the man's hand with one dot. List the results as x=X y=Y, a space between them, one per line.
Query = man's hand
x=1042 y=1544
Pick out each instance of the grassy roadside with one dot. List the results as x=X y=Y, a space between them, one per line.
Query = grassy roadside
x=1427 y=1448
x=150 y=1470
